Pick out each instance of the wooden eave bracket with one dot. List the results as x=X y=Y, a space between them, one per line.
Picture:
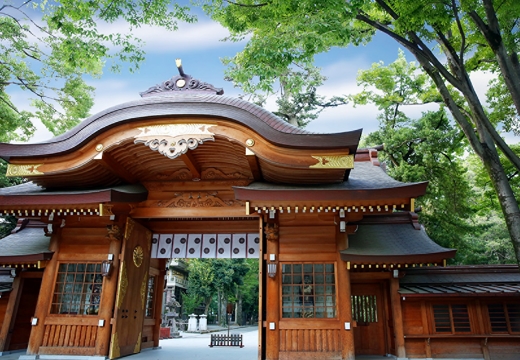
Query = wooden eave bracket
x=254 y=166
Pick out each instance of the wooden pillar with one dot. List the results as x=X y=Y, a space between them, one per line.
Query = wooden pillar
x=344 y=300
x=45 y=297
x=10 y=313
x=273 y=304
x=261 y=293
x=158 y=306
x=108 y=298
x=397 y=315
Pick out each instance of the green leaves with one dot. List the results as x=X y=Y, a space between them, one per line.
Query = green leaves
x=47 y=47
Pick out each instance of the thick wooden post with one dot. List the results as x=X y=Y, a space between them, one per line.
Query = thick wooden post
x=273 y=304
x=158 y=306
x=344 y=301
x=45 y=297
x=108 y=298
x=10 y=313
x=261 y=291
x=397 y=315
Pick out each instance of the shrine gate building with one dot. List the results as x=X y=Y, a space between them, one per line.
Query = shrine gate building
x=185 y=172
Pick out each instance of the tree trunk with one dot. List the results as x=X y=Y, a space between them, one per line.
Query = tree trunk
x=239 y=314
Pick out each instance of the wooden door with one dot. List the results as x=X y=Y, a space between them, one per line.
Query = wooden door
x=131 y=292
x=367 y=311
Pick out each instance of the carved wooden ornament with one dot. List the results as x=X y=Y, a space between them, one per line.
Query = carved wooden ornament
x=271 y=231
x=114 y=232
x=173 y=140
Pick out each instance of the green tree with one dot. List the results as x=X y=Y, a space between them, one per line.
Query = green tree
x=449 y=39
x=47 y=46
x=425 y=149
x=202 y=285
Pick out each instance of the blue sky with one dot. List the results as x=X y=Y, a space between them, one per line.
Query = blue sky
x=201 y=48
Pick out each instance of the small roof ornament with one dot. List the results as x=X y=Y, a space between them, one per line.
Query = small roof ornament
x=182 y=82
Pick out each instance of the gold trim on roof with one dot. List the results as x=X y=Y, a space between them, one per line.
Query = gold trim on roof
x=334 y=162
x=23 y=170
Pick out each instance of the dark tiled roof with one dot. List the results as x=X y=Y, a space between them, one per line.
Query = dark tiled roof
x=236 y=110
x=466 y=280
x=364 y=176
x=397 y=243
x=22 y=194
x=24 y=244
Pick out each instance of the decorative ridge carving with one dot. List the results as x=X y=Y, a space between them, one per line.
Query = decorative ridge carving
x=173 y=140
x=182 y=82
x=198 y=200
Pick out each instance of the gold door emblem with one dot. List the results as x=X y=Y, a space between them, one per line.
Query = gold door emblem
x=138 y=255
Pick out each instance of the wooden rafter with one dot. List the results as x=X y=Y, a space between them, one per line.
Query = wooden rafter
x=192 y=164
x=108 y=162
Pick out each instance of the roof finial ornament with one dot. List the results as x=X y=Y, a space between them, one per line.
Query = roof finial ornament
x=182 y=82
x=178 y=62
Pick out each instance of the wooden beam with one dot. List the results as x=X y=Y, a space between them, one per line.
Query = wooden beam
x=108 y=162
x=45 y=297
x=253 y=165
x=192 y=164
x=154 y=213
x=273 y=306
x=344 y=299
x=109 y=296
x=397 y=316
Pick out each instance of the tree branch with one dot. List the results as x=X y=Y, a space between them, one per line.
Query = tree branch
x=247 y=5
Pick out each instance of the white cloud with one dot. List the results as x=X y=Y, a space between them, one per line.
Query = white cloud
x=199 y=36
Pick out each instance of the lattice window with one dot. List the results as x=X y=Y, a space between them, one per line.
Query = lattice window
x=364 y=309
x=451 y=318
x=308 y=291
x=504 y=317
x=78 y=289
x=150 y=297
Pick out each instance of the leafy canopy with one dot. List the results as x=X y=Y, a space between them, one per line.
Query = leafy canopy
x=47 y=46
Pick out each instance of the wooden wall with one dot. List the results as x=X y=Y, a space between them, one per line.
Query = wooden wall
x=421 y=341
x=306 y=238
x=82 y=239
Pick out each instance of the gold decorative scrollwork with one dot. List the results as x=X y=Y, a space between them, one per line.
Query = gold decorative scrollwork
x=129 y=228
x=334 y=162
x=138 y=256
x=144 y=288
x=123 y=285
x=115 y=350
x=173 y=140
x=137 y=348
x=23 y=170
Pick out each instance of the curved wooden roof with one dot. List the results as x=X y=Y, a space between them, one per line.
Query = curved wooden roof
x=229 y=138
